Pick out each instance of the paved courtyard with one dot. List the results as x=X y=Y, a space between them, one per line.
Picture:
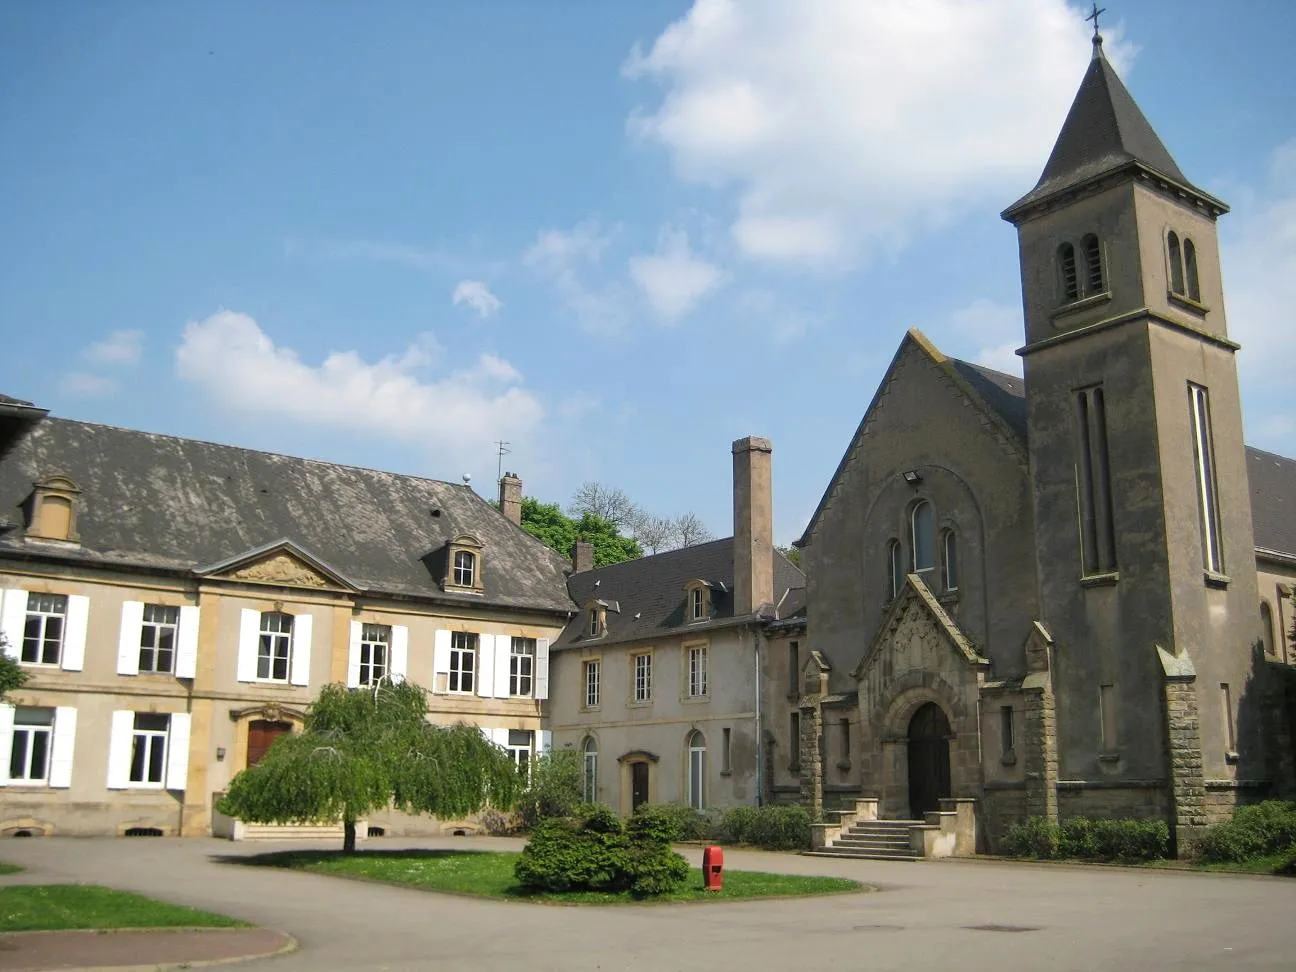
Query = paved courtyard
x=978 y=915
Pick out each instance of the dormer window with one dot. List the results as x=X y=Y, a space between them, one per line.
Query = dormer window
x=597 y=623
x=464 y=564
x=697 y=601
x=54 y=510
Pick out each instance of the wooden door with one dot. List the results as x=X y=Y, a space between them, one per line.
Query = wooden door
x=638 y=785
x=261 y=734
x=929 y=762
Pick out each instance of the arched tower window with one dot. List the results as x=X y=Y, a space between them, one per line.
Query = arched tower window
x=696 y=770
x=895 y=568
x=1190 y=269
x=589 y=770
x=1176 y=263
x=1067 y=268
x=949 y=560
x=1093 y=265
x=923 y=536
x=1267 y=628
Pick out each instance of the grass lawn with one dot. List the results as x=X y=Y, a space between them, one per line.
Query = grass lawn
x=490 y=874
x=9 y=868
x=56 y=907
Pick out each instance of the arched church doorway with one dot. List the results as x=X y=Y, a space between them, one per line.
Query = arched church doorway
x=929 y=759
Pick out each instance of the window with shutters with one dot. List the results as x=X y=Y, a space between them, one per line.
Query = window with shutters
x=375 y=652
x=1068 y=276
x=463 y=662
x=158 y=639
x=274 y=647
x=1081 y=274
x=522 y=654
x=1093 y=279
x=29 y=755
x=148 y=749
x=44 y=629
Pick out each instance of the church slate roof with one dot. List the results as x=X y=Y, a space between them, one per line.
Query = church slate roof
x=1104 y=131
x=159 y=502
x=649 y=592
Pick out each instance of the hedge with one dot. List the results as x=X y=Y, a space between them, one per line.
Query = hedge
x=1255 y=831
x=1085 y=839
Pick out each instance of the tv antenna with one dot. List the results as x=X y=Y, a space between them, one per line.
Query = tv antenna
x=504 y=450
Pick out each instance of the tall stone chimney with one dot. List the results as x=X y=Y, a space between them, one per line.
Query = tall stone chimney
x=753 y=542
x=510 y=497
x=582 y=556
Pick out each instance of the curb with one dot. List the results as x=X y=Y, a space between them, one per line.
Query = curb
x=289 y=945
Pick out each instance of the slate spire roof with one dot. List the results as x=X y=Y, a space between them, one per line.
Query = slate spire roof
x=1104 y=131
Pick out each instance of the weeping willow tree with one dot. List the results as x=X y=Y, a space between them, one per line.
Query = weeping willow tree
x=363 y=750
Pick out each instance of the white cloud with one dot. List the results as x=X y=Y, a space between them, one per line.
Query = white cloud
x=847 y=127
x=994 y=330
x=1259 y=261
x=237 y=364
x=571 y=261
x=476 y=295
x=119 y=348
x=84 y=385
x=673 y=279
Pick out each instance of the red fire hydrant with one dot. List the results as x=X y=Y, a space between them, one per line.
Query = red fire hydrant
x=712 y=869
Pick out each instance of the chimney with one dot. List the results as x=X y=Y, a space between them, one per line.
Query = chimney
x=582 y=555
x=753 y=542
x=510 y=497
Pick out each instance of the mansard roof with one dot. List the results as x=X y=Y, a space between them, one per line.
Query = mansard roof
x=1105 y=131
x=650 y=592
x=159 y=502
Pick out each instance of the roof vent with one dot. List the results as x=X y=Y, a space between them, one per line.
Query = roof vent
x=434 y=512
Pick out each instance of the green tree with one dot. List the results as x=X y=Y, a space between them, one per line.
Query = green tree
x=552 y=527
x=554 y=789
x=363 y=750
x=12 y=675
x=791 y=553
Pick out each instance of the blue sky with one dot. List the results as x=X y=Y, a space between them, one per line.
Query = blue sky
x=617 y=235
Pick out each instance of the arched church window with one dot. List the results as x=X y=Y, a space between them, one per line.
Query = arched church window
x=1190 y=269
x=1093 y=265
x=949 y=560
x=895 y=568
x=1176 y=263
x=1067 y=267
x=923 y=534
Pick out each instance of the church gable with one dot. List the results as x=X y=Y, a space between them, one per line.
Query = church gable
x=282 y=564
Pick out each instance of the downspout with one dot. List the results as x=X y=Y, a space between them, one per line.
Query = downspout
x=760 y=739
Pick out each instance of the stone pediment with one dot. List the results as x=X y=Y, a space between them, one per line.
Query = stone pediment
x=917 y=623
x=281 y=564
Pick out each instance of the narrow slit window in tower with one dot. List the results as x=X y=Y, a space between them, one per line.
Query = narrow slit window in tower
x=1093 y=265
x=1176 y=263
x=1204 y=459
x=1067 y=266
x=1190 y=269
x=1093 y=484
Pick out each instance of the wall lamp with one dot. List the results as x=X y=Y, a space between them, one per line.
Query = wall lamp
x=912 y=477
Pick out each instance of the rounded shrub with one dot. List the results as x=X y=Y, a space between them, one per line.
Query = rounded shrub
x=1255 y=831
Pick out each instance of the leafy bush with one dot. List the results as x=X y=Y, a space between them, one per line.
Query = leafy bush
x=1095 y=840
x=680 y=821
x=595 y=852
x=771 y=827
x=1255 y=831
x=554 y=789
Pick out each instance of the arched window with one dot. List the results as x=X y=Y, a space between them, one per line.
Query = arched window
x=1093 y=265
x=589 y=773
x=1190 y=269
x=465 y=567
x=1067 y=267
x=696 y=770
x=895 y=568
x=923 y=536
x=1267 y=628
x=949 y=560
x=1176 y=263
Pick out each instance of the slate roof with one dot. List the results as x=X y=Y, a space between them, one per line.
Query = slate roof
x=650 y=592
x=1104 y=131
x=1004 y=393
x=167 y=503
x=7 y=400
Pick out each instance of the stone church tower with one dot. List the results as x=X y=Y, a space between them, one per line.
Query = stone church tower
x=1143 y=534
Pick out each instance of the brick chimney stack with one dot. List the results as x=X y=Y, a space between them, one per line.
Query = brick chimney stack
x=582 y=556
x=510 y=497
x=753 y=542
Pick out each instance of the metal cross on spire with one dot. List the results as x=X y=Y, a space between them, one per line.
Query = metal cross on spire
x=1097 y=12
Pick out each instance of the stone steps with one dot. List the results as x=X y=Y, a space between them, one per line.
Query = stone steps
x=877 y=840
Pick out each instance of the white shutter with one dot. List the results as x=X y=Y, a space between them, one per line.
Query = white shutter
x=6 y=740
x=486 y=665
x=64 y=743
x=128 y=643
x=399 y=650
x=485 y=732
x=249 y=639
x=542 y=668
x=74 y=632
x=546 y=742
x=503 y=658
x=440 y=660
x=499 y=737
x=177 y=761
x=120 y=739
x=353 y=654
x=301 y=650
x=186 y=664
x=13 y=618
